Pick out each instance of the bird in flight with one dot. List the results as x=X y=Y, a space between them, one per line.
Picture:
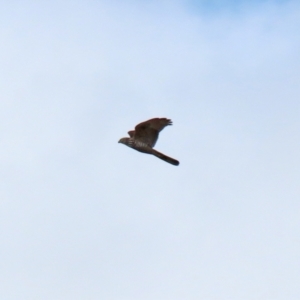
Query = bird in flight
x=145 y=136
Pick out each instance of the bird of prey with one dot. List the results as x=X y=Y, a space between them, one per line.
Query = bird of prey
x=145 y=136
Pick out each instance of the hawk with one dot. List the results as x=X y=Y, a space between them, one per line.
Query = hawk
x=145 y=136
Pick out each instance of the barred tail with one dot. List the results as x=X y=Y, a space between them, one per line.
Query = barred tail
x=166 y=158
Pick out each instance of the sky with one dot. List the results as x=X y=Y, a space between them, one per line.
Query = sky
x=83 y=217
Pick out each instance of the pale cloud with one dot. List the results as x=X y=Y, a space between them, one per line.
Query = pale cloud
x=83 y=217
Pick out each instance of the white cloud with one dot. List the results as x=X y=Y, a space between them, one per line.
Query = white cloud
x=83 y=217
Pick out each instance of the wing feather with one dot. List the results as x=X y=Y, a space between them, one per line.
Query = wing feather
x=148 y=131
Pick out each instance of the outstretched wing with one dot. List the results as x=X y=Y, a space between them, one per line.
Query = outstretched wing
x=131 y=133
x=148 y=131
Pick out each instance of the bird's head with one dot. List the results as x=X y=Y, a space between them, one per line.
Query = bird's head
x=123 y=140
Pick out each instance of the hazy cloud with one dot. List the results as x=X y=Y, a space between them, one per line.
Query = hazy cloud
x=82 y=217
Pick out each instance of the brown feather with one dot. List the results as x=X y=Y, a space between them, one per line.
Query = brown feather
x=145 y=136
x=166 y=158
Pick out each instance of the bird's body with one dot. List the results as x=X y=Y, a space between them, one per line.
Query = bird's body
x=145 y=136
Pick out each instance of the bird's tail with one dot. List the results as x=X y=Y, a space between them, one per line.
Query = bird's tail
x=166 y=158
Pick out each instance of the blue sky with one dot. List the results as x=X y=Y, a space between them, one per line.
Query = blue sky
x=83 y=217
x=233 y=5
